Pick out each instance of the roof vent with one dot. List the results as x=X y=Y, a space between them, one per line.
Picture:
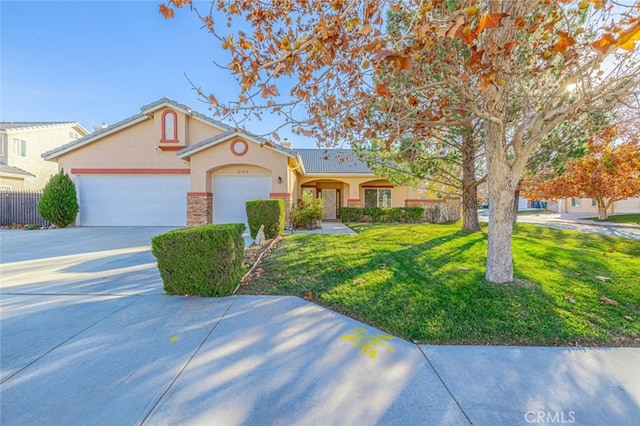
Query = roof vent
x=286 y=144
x=100 y=127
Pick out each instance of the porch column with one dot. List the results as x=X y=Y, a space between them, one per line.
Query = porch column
x=199 y=208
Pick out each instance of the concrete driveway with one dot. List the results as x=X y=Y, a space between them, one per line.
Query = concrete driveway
x=87 y=338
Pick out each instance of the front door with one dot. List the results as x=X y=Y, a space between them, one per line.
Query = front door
x=329 y=203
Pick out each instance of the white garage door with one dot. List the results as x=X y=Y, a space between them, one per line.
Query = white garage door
x=230 y=193
x=141 y=200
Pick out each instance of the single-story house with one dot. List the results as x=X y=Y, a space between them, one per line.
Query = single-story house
x=170 y=165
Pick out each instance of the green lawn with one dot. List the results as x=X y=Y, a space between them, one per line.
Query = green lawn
x=426 y=283
x=633 y=219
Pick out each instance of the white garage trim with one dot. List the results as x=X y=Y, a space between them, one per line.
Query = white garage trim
x=231 y=192
x=132 y=200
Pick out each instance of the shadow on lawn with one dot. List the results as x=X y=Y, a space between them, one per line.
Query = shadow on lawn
x=435 y=291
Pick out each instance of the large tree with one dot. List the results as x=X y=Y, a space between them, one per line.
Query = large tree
x=609 y=172
x=508 y=63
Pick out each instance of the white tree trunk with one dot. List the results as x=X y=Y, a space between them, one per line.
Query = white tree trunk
x=602 y=208
x=501 y=208
x=499 y=254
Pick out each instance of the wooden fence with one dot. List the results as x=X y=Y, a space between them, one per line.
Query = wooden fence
x=20 y=208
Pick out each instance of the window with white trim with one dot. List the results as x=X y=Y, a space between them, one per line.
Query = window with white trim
x=575 y=202
x=20 y=147
x=594 y=202
x=377 y=197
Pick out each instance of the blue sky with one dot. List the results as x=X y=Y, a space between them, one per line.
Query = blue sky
x=97 y=61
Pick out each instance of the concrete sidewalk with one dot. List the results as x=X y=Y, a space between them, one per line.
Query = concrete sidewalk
x=153 y=359
x=576 y=222
x=88 y=338
x=579 y=218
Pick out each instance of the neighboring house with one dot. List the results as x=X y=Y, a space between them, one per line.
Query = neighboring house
x=21 y=148
x=590 y=206
x=12 y=178
x=172 y=166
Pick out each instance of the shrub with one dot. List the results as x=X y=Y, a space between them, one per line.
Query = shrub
x=382 y=215
x=352 y=214
x=204 y=260
x=59 y=203
x=270 y=213
x=393 y=215
x=413 y=214
x=307 y=212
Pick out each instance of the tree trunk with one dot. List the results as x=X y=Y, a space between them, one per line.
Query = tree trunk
x=516 y=201
x=602 y=209
x=469 y=188
x=501 y=207
x=499 y=254
x=501 y=175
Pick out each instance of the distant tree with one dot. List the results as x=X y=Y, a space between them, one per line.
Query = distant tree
x=609 y=172
x=59 y=203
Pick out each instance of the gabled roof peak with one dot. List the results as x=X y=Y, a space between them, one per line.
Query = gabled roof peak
x=183 y=108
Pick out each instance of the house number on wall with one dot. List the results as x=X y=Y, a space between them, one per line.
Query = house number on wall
x=243 y=171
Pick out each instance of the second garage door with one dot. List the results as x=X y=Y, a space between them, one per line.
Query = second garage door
x=133 y=200
x=230 y=194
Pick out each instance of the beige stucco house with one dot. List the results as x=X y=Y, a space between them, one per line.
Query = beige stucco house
x=170 y=165
x=21 y=148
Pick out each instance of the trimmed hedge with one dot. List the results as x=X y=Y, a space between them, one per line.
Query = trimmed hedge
x=270 y=213
x=59 y=202
x=382 y=214
x=201 y=261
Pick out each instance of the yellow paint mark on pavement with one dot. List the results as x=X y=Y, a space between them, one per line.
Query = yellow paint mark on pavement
x=368 y=342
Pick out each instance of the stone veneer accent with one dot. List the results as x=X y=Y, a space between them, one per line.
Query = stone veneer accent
x=353 y=202
x=199 y=208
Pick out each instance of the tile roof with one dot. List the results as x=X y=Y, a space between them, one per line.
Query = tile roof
x=319 y=161
x=14 y=171
x=192 y=149
x=90 y=137
x=144 y=110
x=187 y=109
x=342 y=161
